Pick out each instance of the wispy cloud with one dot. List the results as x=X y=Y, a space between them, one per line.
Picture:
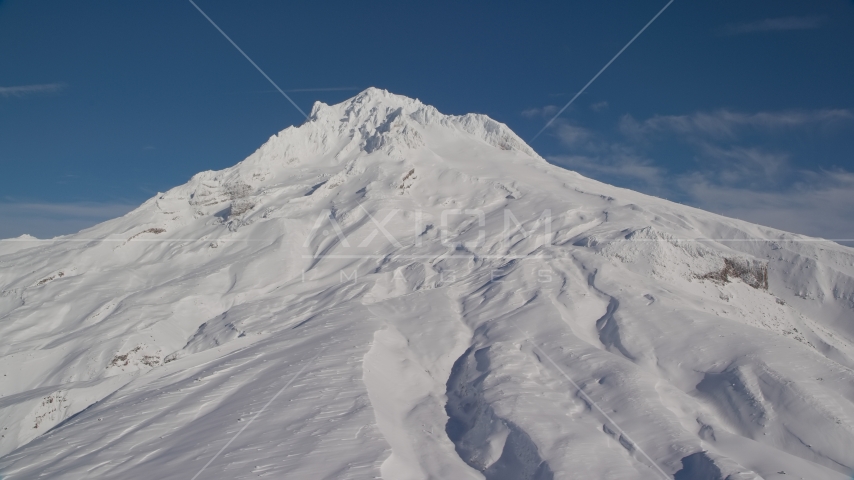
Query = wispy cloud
x=744 y=165
x=725 y=123
x=625 y=167
x=780 y=24
x=25 y=90
x=819 y=205
x=730 y=174
x=546 y=111
x=591 y=154
x=599 y=106
x=46 y=220
x=573 y=136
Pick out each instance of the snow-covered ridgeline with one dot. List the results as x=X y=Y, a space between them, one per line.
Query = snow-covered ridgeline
x=417 y=251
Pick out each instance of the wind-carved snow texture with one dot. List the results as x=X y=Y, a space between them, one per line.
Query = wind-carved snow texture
x=478 y=312
x=497 y=448
x=698 y=466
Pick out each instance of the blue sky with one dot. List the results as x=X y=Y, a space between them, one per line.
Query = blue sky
x=742 y=108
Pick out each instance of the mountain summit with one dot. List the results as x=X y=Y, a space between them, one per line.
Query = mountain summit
x=389 y=292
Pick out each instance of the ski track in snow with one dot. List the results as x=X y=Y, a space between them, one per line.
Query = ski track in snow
x=638 y=339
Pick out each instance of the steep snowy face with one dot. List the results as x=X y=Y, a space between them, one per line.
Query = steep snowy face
x=376 y=121
x=419 y=295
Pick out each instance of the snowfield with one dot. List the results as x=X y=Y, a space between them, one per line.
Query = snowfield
x=389 y=292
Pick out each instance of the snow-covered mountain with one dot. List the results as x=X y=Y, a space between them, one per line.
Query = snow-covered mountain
x=389 y=292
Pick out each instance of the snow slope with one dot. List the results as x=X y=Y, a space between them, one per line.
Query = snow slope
x=389 y=292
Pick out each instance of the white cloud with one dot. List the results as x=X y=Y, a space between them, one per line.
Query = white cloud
x=572 y=135
x=750 y=182
x=546 y=111
x=47 y=220
x=625 y=167
x=598 y=107
x=24 y=90
x=589 y=153
x=818 y=206
x=774 y=25
x=747 y=182
x=733 y=165
x=727 y=124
